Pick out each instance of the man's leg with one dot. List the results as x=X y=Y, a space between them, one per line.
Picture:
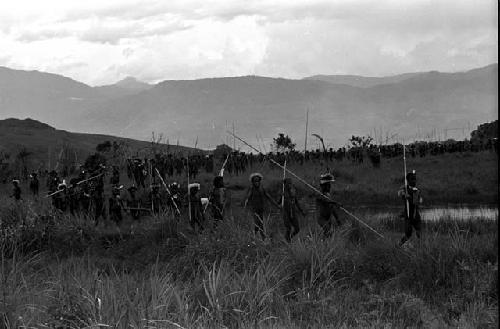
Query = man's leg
x=417 y=225
x=408 y=232
x=288 y=228
x=295 y=225
x=326 y=225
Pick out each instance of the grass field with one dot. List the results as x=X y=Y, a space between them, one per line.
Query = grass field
x=63 y=272
x=59 y=271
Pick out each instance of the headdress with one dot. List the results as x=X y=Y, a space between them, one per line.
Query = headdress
x=194 y=185
x=326 y=178
x=256 y=175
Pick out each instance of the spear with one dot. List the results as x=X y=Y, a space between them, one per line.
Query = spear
x=406 y=182
x=132 y=208
x=168 y=191
x=283 y=195
x=93 y=177
x=221 y=171
x=85 y=180
x=151 y=184
x=189 y=190
x=54 y=193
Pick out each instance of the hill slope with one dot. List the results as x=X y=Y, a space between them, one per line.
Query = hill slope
x=45 y=142
x=361 y=81
x=125 y=87
x=267 y=106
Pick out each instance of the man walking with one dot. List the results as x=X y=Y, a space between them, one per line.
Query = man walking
x=255 y=200
x=325 y=207
x=290 y=205
x=411 y=195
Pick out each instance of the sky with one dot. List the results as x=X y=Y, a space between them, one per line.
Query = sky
x=102 y=41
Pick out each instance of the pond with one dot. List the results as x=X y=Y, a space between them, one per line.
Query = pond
x=443 y=212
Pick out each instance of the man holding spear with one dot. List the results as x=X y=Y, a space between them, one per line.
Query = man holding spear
x=326 y=207
x=327 y=197
x=411 y=195
x=255 y=199
x=290 y=205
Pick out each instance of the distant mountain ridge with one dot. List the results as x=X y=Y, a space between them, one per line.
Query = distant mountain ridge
x=367 y=82
x=124 y=87
x=259 y=106
x=361 y=81
x=133 y=83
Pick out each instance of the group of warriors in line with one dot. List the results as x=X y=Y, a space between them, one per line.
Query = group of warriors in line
x=84 y=194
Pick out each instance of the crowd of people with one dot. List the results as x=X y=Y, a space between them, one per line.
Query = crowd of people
x=85 y=193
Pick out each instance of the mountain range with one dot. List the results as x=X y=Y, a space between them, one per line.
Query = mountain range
x=411 y=104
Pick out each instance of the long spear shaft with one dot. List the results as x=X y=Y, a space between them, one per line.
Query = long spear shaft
x=189 y=190
x=406 y=182
x=221 y=171
x=168 y=191
x=312 y=187
x=151 y=185
x=131 y=208
x=307 y=124
x=283 y=192
x=83 y=181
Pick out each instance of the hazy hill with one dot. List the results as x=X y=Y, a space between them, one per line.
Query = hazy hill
x=125 y=87
x=260 y=106
x=47 y=97
x=41 y=139
x=266 y=106
x=361 y=81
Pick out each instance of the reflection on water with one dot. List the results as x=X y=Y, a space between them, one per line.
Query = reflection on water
x=458 y=213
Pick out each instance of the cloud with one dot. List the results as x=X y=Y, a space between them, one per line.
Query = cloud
x=184 y=39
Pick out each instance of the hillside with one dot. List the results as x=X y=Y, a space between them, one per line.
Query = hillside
x=267 y=106
x=260 y=106
x=125 y=87
x=361 y=81
x=44 y=142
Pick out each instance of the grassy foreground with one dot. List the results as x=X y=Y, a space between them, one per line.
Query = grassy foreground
x=62 y=272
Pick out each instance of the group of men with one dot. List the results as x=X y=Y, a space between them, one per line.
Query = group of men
x=85 y=194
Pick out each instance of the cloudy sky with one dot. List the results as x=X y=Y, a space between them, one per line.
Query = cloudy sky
x=102 y=41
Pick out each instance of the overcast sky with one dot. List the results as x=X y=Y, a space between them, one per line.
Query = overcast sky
x=103 y=41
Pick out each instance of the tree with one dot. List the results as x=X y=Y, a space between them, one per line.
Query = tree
x=93 y=161
x=103 y=147
x=283 y=143
x=360 y=141
x=485 y=131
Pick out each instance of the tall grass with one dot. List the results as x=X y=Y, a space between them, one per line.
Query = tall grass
x=70 y=274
